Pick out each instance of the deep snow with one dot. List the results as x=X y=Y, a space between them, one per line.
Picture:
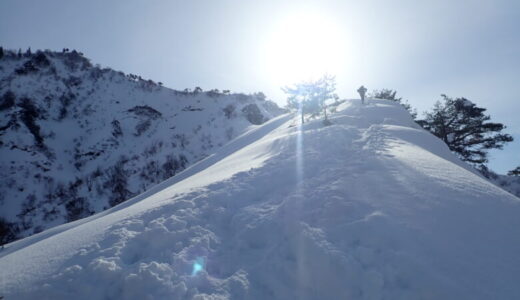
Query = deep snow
x=96 y=124
x=371 y=207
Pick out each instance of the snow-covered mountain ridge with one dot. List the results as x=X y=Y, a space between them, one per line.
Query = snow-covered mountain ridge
x=370 y=207
x=76 y=139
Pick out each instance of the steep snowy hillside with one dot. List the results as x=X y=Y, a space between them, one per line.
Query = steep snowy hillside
x=370 y=207
x=76 y=139
x=509 y=183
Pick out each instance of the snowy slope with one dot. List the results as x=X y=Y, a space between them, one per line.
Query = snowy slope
x=371 y=207
x=76 y=139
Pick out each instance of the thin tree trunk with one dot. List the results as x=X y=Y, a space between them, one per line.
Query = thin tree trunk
x=325 y=111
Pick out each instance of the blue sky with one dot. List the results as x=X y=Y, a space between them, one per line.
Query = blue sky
x=460 y=48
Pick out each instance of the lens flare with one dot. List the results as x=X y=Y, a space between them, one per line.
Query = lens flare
x=198 y=265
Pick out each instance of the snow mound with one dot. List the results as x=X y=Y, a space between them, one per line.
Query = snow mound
x=370 y=207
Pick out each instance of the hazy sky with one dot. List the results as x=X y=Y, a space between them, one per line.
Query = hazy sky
x=460 y=48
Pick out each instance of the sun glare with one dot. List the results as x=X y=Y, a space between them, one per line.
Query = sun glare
x=304 y=46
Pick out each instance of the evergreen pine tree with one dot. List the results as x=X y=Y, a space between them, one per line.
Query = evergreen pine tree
x=8 y=231
x=514 y=172
x=464 y=127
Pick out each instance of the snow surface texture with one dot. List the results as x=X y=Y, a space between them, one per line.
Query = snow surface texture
x=370 y=207
x=76 y=139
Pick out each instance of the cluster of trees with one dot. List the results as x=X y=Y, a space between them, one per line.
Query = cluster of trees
x=309 y=97
x=8 y=231
x=514 y=172
x=12 y=53
x=458 y=122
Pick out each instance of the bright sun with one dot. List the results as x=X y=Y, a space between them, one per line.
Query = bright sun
x=304 y=46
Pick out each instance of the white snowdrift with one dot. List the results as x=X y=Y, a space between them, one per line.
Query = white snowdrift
x=371 y=207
